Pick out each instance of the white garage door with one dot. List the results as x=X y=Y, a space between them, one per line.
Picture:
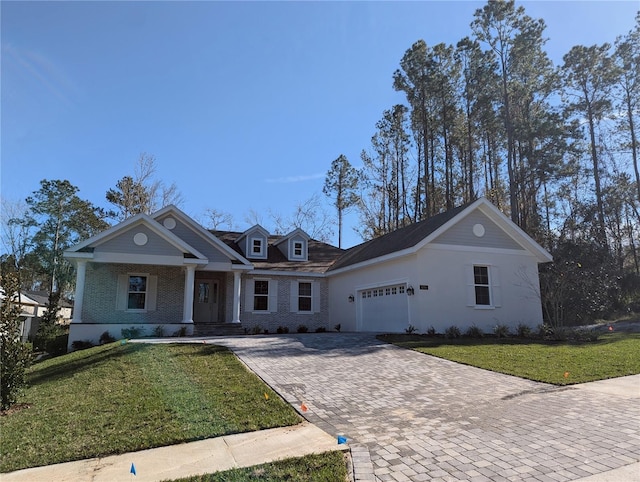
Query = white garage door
x=384 y=308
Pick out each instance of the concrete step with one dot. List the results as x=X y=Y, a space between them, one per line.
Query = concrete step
x=218 y=329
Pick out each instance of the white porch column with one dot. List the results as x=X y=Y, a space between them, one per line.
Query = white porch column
x=189 y=279
x=236 y=297
x=81 y=272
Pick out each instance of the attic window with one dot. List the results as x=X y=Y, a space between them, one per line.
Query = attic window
x=297 y=249
x=256 y=246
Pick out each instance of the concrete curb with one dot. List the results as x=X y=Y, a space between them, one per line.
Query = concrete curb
x=188 y=459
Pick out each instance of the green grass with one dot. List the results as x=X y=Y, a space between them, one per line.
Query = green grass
x=120 y=398
x=612 y=355
x=327 y=467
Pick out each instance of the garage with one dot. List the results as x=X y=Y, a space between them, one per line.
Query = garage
x=384 y=308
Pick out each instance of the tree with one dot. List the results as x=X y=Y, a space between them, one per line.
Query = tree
x=15 y=355
x=214 y=219
x=627 y=60
x=308 y=216
x=142 y=193
x=60 y=219
x=527 y=81
x=341 y=183
x=589 y=75
x=16 y=236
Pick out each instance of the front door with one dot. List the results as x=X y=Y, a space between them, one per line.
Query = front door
x=205 y=301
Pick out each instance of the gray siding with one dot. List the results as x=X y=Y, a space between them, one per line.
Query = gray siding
x=461 y=234
x=123 y=243
x=212 y=253
x=101 y=291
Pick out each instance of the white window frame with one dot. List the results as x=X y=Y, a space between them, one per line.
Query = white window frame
x=261 y=243
x=123 y=292
x=305 y=296
x=493 y=286
x=264 y=296
x=485 y=287
x=295 y=246
x=272 y=296
x=294 y=299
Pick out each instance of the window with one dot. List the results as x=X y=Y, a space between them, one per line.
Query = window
x=304 y=296
x=256 y=246
x=261 y=295
x=297 y=249
x=481 y=285
x=203 y=292
x=137 y=293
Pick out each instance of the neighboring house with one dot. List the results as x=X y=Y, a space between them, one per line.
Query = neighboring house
x=166 y=273
x=39 y=302
x=28 y=320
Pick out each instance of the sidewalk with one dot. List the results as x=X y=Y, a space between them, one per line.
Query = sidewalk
x=194 y=458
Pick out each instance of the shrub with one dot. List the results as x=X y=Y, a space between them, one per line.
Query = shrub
x=302 y=329
x=431 y=331
x=158 y=331
x=15 y=356
x=452 y=332
x=51 y=338
x=523 y=331
x=58 y=345
x=256 y=330
x=501 y=331
x=106 y=338
x=545 y=330
x=410 y=329
x=474 y=332
x=81 y=345
x=133 y=332
x=182 y=331
x=282 y=329
x=321 y=329
x=584 y=335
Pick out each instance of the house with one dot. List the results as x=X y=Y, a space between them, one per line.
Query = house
x=33 y=305
x=38 y=302
x=166 y=274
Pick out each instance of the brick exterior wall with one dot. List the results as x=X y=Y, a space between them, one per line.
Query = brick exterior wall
x=102 y=285
x=101 y=291
x=284 y=316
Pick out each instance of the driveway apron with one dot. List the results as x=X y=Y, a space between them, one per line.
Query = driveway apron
x=412 y=417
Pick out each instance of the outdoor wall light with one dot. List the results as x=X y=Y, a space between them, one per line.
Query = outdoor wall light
x=351 y=298
x=410 y=291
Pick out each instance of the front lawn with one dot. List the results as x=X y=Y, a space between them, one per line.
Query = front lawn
x=326 y=467
x=120 y=398
x=561 y=363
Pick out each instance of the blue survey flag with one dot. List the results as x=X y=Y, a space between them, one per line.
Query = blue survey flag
x=342 y=440
x=133 y=469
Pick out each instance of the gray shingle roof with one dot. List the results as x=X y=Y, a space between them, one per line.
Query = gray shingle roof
x=398 y=240
x=325 y=258
x=321 y=255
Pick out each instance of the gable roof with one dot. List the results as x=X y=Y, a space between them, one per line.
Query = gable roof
x=206 y=234
x=292 y=234
x=413 y=237
x=320 y=255
x=137 y=220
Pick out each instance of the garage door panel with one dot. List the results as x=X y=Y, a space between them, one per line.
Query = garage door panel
x=384 y=308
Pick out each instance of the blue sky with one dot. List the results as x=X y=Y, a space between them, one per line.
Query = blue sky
x=243 y=104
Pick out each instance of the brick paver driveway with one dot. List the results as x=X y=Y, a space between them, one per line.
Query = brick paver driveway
x=409 y=416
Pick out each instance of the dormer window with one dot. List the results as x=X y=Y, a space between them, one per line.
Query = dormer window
x=256 y=247
x=298 y=247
